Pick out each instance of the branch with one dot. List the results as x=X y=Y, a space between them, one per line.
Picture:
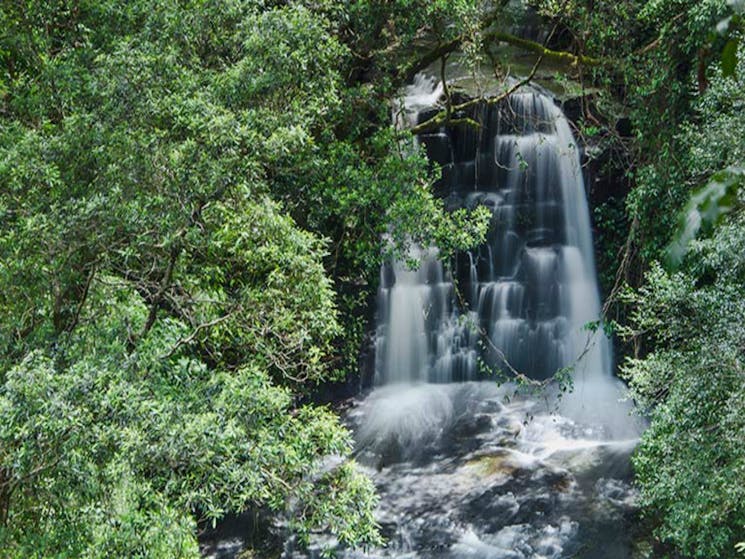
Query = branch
x=443 y=49
x=621 y=273
x=164 y=285
x=499 y=36
x=654 y=44
x=83 y=298
x=443 y=117
x=431 y=57
x=532 y=46
x=190 y=338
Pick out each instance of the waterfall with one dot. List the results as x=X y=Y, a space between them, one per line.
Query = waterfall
x=465 y=468
x=528 y=292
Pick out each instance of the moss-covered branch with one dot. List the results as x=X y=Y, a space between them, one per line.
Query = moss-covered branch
x=548 y=54
x=444 y=49
x=431 y=57
x=444 y=116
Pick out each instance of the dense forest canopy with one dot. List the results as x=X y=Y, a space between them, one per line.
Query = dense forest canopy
x=195 y=199
x=188 y=191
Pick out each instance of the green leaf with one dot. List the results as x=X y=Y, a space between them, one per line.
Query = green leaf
x=705 y=210
x=729 y=57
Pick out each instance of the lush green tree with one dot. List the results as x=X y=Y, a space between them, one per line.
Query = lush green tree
x=120 y=451
x=691 y=461
x=190 y=192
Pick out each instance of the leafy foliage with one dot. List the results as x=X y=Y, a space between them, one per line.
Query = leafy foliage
x=705 y=210
x=730 y=27
x=118 y=448
x=688 y=320
x=690 y=462
x=193 y=206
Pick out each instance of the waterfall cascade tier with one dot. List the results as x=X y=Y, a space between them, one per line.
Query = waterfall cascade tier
x=524 y=296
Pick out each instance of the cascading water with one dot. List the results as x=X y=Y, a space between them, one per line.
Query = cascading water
x=467 y=468
x=531 y=288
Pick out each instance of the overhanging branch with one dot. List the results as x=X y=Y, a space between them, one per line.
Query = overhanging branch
x=548 y=54
x=444 y=116
x=444 y=49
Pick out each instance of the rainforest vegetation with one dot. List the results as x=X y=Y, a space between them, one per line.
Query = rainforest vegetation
x=195 y=200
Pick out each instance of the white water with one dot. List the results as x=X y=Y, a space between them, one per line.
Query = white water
x=531 y=290
x=464 y=472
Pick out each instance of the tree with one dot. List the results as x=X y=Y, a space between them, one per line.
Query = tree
x=688 y=318
x=187 y=189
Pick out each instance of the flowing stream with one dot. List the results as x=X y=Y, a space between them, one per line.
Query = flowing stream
x=467 y=467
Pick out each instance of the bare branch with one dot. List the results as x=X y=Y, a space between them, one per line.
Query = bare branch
x=190 y=338
x=541 y=50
